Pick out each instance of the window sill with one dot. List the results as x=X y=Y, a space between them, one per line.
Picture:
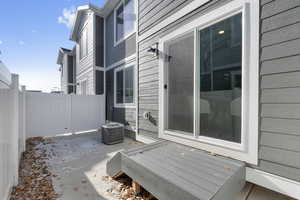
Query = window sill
x=116 y=43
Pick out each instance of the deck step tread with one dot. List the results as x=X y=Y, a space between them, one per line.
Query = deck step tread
x=173 y=171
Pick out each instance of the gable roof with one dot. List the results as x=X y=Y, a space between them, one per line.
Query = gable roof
x=103 y=12
x=80 y=10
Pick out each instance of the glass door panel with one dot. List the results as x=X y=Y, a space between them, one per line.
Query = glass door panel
x=221 y=79
x=180 y=84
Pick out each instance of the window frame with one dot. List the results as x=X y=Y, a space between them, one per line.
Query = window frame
x=247 y=150
x=122 y=68
x=117 y=42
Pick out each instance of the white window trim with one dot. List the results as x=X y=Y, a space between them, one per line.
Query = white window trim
x=248 y=149
x=124 y=105
x=117 y=42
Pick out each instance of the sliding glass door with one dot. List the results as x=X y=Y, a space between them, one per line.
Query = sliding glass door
x=218 y=76
x=209 y=81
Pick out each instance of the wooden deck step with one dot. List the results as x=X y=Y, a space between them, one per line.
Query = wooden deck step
x=172 y=171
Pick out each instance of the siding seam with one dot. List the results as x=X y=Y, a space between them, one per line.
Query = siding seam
x=276 y=43
x=280 y=57
x=280 y=148
x=278 y=13
x=279 y=133
x=277 y=28
x=275 y=88
x=277 y=73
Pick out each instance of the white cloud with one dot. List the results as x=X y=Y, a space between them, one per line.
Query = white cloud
x=1 y=42
x=68 y=17
x=21 y=42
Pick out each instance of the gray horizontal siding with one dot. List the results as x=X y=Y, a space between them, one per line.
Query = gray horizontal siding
x=286 y=33
x=263 y=2
x=154 y=11
x=288 y=64
x=285 y=49
x=280 y=156
x=279 y=125
x=275 y=7
x=279 y=148
x=280 y=20
x=148 y=63
x=287 y=111
x=279 y=139
x=282 y=80
x=281 y=95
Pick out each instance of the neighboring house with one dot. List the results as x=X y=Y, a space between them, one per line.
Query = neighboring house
x=5 y=76
x=67 y=70
x=216 y=75
x=105 y=49
x=88 y=33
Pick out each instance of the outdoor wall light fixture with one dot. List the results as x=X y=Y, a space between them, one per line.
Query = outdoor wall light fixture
x=154 y=49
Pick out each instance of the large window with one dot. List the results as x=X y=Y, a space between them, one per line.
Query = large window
x=125 y=18
x=124 y=86
x=209 y=83
x=83 y=43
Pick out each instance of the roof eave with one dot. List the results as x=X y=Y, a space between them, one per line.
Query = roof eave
x=78 y=14
x=60 y=56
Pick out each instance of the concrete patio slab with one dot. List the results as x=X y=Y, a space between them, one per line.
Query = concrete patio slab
x=79 y=165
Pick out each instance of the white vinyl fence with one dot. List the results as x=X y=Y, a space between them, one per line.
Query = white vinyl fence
x=56 y=114
x=29 y=114
x=12 y=139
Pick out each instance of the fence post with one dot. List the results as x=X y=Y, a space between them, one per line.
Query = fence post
x=23 y=119
x=15 y=127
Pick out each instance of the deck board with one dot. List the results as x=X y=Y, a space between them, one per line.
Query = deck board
x=173 y=171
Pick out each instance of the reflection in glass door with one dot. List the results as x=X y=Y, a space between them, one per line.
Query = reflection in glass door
x=221 y=79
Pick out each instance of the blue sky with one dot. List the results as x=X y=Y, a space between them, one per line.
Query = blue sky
x=31 y=31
